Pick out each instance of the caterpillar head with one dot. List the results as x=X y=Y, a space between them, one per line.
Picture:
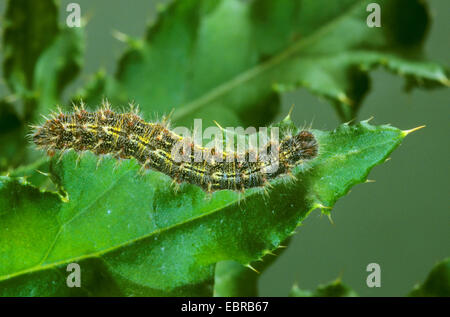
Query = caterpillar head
x=51 y=135
x=298 y=148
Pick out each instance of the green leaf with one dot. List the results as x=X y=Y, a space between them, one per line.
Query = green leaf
x=140 y=237
x=333 y=289
x=437 y=283
x=57 y=67
x=12 y=142
x=232 y=279
x=236 y=57
x=35 y=173
x=40 y=59
x=30 y=28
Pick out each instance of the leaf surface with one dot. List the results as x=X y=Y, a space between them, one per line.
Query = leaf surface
x=140 y=237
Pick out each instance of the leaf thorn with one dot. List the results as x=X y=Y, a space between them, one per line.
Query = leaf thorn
x=329 y=218
x=319 y=205
x=120 y=36
x=406 y=132
x=369 y=119
x=252 y=268
x=43 y=173
x=288 y=117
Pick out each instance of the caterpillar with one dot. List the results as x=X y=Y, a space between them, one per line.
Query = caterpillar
x=126 y=135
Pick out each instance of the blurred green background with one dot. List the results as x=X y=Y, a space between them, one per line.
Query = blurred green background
x=401 y=221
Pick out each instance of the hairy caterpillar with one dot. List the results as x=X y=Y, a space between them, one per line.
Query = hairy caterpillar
x=127 y=135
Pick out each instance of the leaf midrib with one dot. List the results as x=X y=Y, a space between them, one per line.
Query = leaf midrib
x=63 y=225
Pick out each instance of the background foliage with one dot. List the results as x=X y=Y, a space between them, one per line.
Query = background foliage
x=302 y=54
